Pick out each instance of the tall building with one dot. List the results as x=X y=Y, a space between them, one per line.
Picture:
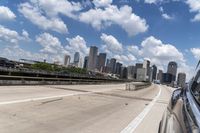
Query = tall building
x=105 y=69
x=92 y=60
x=151 y=74
x=97 y=63
x=172 y=69
x=131 y=70
x=141 y=74
x=154 y=72
x=137 y=66
x=112 y=65
x=67 y=59
x=80 y=64
x=124 y=72
x=167 y=78
x=101 y=61
x=146 y=66
x=107 y=62
x=181 y=79
x=143 y=71
x=160 y=75
x=118 y=68
x=85 y=64
x=76 y=58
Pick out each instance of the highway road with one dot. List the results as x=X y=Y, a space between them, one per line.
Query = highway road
x=81 y=109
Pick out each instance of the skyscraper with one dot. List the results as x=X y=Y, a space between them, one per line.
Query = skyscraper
x=92 y=59
x=67 y=60
x=107 y=62
x=85 y=64
x=101 y=61
x=141 y=74
x=172 y=69
x=112 y=64
x=123 y=74
x=146 y=66
x=181 y=79
x=167 y=78
x=137 y=66
x=118 y=68
x=76 y=57
x=160 y=75
x=154 y=72
x=131 y=70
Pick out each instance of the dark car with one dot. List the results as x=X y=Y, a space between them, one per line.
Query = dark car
x=183 y=112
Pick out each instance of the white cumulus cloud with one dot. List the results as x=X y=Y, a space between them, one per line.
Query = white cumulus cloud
x=102 y=3
x=151 y=1
x=51 y=47
x=111 y=44
x=11 y=36
x=50 y=44
x=77 y=44
x=196 y=52
x=194 y=6
x=55 y=7
x=6 y=13
x=124 y=17
x=34 y=14
x=166 y=16
x=16 y=53
x=159 y=52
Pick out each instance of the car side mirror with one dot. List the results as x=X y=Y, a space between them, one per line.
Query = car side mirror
x=175 y=96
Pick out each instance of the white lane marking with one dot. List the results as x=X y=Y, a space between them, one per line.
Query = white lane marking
x=135 y=123
x=49 y=97
x=40 y=98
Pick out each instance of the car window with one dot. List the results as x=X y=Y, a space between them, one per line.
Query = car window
x=195 y=88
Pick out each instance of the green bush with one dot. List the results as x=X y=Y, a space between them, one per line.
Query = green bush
x=42 y=66
x=56 y=68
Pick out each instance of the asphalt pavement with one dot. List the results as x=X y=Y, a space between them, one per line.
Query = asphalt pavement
x=81 y=109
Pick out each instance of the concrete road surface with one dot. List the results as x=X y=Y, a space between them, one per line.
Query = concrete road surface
x=81 y=109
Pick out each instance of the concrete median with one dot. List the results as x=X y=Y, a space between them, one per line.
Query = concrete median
x=133 y=86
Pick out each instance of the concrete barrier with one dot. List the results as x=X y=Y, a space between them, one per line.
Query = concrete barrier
x=26 y=80
x=138 y=86
x=30 y=82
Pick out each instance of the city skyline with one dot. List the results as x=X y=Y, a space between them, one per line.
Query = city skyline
x=155 y=30
x=144 y=71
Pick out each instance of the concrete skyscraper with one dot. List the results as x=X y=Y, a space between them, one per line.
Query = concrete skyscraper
x=67 y=59
x=101 y=61
x=112 y=65
x=76 y=57
x=172 y=69
x=85 y=64
x=154 y=72
x=124 y=72
x=160 y=75
x=131 y=72
x=92 y=59
x=118 y=68
x=146 y=66
x=181 y=79
x=137 y=66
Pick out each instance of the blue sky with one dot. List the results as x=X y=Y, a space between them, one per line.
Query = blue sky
x=129 y=30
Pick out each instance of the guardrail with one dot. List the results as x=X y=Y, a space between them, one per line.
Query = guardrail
x=41 y=72
x=24 y=80
x=13 y=76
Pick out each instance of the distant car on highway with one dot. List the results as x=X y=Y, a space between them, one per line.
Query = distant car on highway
x=183 y=112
